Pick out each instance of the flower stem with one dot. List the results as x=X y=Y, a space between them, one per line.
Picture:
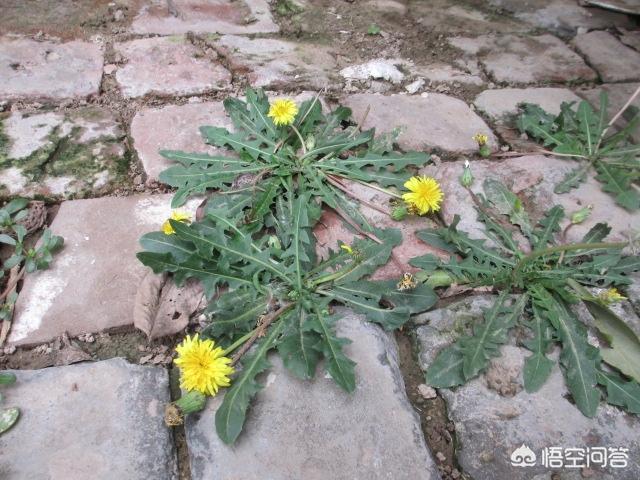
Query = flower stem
x=238 y=342
x=376 y=187
x=336 y=275
x=304 y=147
x=258 y=331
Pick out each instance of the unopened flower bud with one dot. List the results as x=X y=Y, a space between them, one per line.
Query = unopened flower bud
x=274 y=242
x=310 y=143
x=581 y=215
x=399 y=213
x=190 y=402
x=484 y=151
x=466 y=179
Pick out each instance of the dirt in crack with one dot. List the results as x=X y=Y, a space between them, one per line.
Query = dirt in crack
x=438 y=430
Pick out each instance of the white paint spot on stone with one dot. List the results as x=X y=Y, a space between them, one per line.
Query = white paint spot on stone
x=47 y=286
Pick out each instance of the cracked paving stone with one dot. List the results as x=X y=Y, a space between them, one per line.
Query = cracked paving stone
x=525 y=59
x=205 y=17
x=614 y=61
x=61 y=154
x=314 y=430
x=428 y=121
x=492 y=421
x=532 y=178
x=167 y=66
x=32 y=70
x=92 y=282
x=101 y=420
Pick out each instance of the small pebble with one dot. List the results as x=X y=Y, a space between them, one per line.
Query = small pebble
x=440 y=456
x=427 y=392
x=109 y=68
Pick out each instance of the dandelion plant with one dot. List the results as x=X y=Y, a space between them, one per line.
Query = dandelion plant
x=538 y=284
x=583 y=134
x=254 y=251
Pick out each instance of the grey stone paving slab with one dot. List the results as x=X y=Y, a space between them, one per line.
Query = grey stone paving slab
x=92 y=282
x=331 y=228
x=618 y=94
x=614 y=61
x=205 y=16
x=561 y=16
x=274 y=63
x=630 y=38
x=314 y=430
x=533 y=179
x=61 y=154
x=48 y=70
x=431 y=120
x=503 y=103
x=167 y=66
x=176 y=127
x=493 y=415
x=100 y=420
x=525 y=59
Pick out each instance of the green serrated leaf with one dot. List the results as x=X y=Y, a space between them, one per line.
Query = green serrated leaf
x=446 y=371
x=548 y=226
x=625 y=394
x=208 y=273
x=618 y=182
x=537 y=367
x=489 y=335
x=572 y=179
x=231 y=415
x=300 y=346
x=579 y=359
x=507 y=203
x=339 y=366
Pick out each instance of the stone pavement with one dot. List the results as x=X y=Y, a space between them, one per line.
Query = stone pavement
x=90 y=93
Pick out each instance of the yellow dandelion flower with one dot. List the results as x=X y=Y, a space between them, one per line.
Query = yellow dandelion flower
x=283 y=112
x=347 y=248
x=481 y=139
x=424 y=195
x=202 y=367
x=178 y=216
x=612 y=295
